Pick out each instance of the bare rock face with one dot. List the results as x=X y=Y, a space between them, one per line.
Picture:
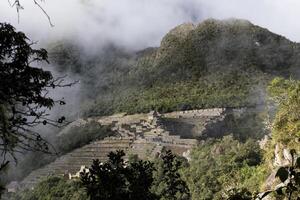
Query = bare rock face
x=187 y=155
x=283 y=156
x=263 y=142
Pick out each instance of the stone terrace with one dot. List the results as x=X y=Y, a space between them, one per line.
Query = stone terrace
x=144 y=135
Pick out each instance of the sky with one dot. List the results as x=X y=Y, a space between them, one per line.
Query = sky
x=138 y=24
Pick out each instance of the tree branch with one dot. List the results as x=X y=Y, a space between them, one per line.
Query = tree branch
x=19 y=7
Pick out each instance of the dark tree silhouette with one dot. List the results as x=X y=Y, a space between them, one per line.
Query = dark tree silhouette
x=116 y=180
x=24 y=100
x=132 y=180
x=168 y=183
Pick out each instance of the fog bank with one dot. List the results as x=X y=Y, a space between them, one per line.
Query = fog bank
x=137 y=24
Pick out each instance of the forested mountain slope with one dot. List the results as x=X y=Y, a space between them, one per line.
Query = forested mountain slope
x=213 y=64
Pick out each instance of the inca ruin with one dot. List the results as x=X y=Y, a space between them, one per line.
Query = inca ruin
x=144 y=135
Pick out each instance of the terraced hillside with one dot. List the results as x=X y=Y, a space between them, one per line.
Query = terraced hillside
x=145 y=135
x=71 y=162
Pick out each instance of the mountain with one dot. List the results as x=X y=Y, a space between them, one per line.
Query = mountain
x=224 y=65
x=217 y=63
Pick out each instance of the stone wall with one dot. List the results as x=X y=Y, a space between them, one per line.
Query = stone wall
x=214 y=112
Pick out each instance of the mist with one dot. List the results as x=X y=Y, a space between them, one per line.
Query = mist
x=132 y=25
x=137 y=24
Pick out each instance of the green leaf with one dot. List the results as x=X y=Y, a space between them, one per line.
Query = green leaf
x=282 y=173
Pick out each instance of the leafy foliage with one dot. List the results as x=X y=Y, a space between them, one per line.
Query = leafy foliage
x=289 y=188
x=24 y=99
x=239 y=194
x=53 y=188
x=219 y=165
x=290 y=179
x=286 y=125
x=286 y=131
x=284 y=93
x=192 y=95
x=168 y=184
x=115 y=180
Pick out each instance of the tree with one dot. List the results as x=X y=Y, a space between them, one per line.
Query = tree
x=52 y=188
x=24 y=89
x=221 y=164
x=168 y=183
x=285 y=93
x=290 y=179
x=288 y=188
x=117 y=180
x=240 y=194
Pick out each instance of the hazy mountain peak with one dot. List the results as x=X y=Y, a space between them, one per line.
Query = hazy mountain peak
x=180 y=31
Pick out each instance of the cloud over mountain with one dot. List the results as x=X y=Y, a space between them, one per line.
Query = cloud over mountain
x=140 y=23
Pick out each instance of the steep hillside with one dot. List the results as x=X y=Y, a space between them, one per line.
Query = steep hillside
x=212 y=64
x=206 y=80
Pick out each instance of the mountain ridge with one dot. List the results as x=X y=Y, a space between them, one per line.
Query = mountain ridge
x=211 y=60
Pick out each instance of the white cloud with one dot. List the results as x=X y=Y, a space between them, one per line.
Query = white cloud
x=141 y=23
